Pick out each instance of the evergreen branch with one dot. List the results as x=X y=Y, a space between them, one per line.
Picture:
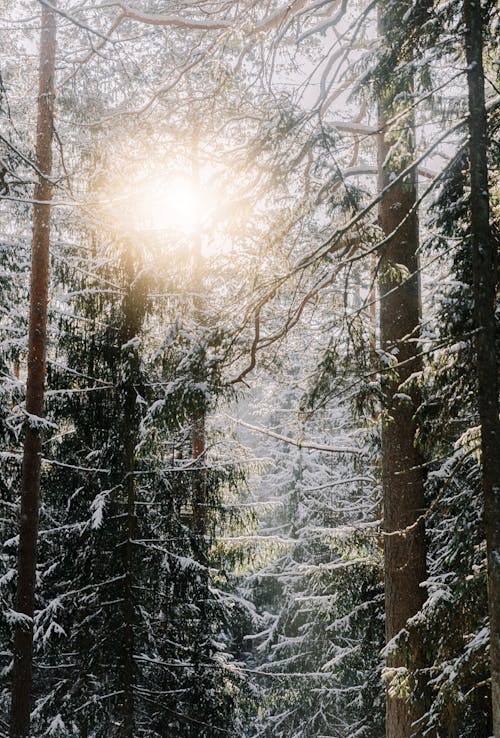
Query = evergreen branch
x=294 y=442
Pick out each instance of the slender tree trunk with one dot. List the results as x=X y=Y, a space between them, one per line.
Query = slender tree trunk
x=128 y=717
x=199 y=487
x=402 y=475
x=199 y=490
x=199 y=483
x=30 y=479
x=484 y=268
x=132 y=316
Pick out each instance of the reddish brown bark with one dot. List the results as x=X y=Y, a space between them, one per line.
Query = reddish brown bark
x=35 y=386
x=484 y=268
x=402 y=475
x=199 y=483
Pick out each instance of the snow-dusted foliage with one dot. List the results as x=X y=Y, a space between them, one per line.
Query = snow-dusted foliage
x=318 y=587
x=15 y=169
x=130 y=623
x=453 y=624
x=210 y=553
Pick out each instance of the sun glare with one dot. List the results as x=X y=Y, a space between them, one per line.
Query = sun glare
x=171 y=205
x=175 y=204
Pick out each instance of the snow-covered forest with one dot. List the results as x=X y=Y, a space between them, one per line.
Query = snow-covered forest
x=249 y=420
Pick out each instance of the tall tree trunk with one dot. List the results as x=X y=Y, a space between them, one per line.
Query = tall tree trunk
x=484 y=268
x=133 y=310
x=199 y=487
x=402 y=475
x=199 y=480
x=30 y=478
x=128 y=609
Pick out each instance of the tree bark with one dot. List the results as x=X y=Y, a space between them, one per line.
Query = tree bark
x=402 y=474
x=199 y=480
x=199 y=486
x=35 y=386
x=484 y=272
x=133 y=310
x=128 y=609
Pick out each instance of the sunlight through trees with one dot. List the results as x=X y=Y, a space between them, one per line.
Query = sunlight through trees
x=249 y=423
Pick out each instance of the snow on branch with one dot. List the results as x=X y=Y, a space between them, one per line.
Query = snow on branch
x=300 y=444
x=37 y=423
x=160 y=19
x=16 y=619
x=323 y=26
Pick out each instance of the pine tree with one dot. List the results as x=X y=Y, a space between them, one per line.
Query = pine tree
x=128 y=581
x=318 y=591
x=457 y=675
x=30 y=480
x=484 y=267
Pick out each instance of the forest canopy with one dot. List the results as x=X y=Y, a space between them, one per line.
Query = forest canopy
x=249 y=420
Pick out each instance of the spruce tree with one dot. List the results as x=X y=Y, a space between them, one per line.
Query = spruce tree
x=30 y=475
x=484 y=248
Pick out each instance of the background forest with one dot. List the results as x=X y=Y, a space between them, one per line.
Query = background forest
x=249 y=429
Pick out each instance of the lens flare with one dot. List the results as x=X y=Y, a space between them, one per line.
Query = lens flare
x=174 y=204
